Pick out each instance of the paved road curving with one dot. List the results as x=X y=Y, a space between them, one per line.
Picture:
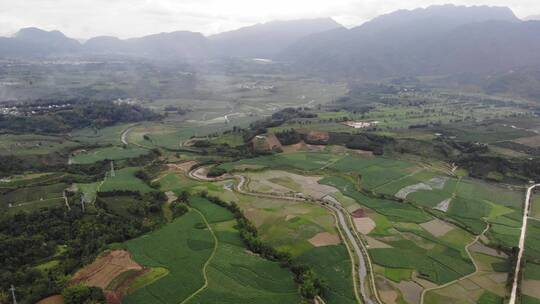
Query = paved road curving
x=329 y=202
x=362 y=270
x=124 y=135
x=526 y=211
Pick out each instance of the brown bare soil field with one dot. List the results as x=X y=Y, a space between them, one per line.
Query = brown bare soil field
x=267 y=142
x=411 y=291
x=481 y=248
x=364 y=225
x=531 y=288
x=437 y=227
x=105 y=268
x=294 y=147
x=342 y=149
x=499 y=277
x=359 y=213
x=302 y=146
x=315 y=148
x=315 y=136
x=56 y=299
x=286 y=182
x=183 y=167
x=324 y=239
x=386 y=291
x=272 y=141
x=374 y=243
x=532 y=141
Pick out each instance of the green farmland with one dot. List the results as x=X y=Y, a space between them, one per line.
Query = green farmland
x=182 y=249
x=125 y=180
x=234 y=275
x=109 y=153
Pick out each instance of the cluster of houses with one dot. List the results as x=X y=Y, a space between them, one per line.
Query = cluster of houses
x=31 y=110
x=360 y=124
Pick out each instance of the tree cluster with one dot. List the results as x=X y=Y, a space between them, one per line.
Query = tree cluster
x=27 y=239
x=81 y=114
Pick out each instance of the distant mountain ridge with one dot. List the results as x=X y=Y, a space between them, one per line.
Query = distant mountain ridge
x=442 y=39
x=260 y=40
x=179 y=44
x=267 y=40
x=415 y=42
x=34 y=42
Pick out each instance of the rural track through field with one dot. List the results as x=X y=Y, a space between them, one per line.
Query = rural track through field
x=64 y=196
x=526 y=211
x=204 y=272
x=124 y=137
x=476 y=267
x=338 y=212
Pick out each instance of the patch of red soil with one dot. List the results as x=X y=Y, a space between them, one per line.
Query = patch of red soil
x=56 y=299
x=265 y=143
x=359 y=213
x=317 y=136
x=105 y=268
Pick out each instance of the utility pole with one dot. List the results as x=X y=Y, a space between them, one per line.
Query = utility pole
x=112 y=169
x=13 y=294
x=82 y=202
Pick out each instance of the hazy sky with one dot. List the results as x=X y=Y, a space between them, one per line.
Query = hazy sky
x=129 y=18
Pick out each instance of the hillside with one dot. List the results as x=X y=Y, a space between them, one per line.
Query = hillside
x=34 y=42
x=260 y=40
x=174 y=45
x=268 y=39
x=435 y=40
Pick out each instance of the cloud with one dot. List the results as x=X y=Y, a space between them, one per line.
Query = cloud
x=129 y=18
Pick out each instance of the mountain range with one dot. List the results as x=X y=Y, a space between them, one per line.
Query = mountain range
x=443 y=39
x=258 y=41
x=436 y=40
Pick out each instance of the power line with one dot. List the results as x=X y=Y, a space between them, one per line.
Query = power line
x=83 y=200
